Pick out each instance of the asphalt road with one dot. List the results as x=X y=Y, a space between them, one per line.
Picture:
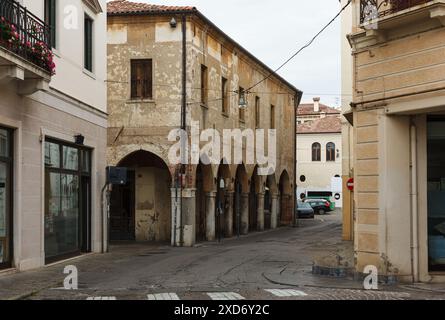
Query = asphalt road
x=269 y=265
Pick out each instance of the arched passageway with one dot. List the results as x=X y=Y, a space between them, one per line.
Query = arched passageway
x=141 y=209
x=224 y=202
x=241 y=202
x=270 y=203
x=256 y=203
x=285 y=211
x=204 y=191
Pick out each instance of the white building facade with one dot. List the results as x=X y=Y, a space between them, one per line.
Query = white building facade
x=319 y=161
x=52 y=130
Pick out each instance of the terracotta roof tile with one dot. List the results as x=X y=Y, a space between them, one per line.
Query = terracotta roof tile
x=127 y=7
x=324 y=125
x=308 y=109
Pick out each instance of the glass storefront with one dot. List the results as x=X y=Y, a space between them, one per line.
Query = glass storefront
x=67 y=205
x=5 y=198
x=436 y=193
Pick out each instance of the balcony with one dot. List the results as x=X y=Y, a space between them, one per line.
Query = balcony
x=25 y=49
x=387 y=14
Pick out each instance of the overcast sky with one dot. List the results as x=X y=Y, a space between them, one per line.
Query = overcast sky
x=273 y=30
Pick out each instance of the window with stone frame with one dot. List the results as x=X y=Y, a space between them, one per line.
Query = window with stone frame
x=142 y=79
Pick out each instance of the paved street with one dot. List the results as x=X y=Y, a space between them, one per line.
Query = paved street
x=271 y=265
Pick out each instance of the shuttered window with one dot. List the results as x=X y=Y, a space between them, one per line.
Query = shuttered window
x=88 y=47
x=142 y=79
x=50 y=19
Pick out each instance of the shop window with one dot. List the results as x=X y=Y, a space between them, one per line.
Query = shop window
x=436 y=193
x=5 y=198
x=67 y=203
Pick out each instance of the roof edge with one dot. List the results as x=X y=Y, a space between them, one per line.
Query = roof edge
x=201 y=16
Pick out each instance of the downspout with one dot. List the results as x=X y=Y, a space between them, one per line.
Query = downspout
x=183 y=120
x=414 y=205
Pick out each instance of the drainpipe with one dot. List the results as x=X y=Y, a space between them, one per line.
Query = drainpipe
x=414 y=206
x=183 y=119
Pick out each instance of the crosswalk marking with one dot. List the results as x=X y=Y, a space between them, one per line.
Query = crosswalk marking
x=101 y=298
x=163 y=296
x=225 y=296
x=285 y=293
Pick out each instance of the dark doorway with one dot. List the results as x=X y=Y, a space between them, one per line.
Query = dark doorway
x=122 y=217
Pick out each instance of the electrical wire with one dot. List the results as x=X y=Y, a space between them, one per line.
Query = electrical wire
x=302 y=48
x=248 y=91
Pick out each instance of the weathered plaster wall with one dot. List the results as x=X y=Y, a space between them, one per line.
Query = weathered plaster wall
x=153 y=214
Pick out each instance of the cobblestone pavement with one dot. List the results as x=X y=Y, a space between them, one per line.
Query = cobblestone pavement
x=273 y=265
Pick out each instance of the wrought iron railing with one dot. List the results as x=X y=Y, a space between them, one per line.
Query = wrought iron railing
x=372 y=9
x=25 y=34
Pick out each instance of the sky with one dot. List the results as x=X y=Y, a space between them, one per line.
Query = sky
x=273 y=30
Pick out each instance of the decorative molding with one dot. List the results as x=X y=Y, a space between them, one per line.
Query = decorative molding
x=93 y=5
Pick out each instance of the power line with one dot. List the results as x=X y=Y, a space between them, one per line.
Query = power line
x=302 y=48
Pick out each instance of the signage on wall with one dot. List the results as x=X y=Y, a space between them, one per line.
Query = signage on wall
x=116 y=175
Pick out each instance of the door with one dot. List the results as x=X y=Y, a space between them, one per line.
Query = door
x=122 y=211
x=85 y=217
x=5 y=199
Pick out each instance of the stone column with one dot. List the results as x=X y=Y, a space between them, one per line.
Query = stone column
x=210 y=216
x=260 y=212
x=228 y=214
x=183 y=224
x=244 y=205
x=274 y=213
x=176 y=216
x=189 y=217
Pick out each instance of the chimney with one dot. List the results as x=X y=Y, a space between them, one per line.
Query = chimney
x=316 y=104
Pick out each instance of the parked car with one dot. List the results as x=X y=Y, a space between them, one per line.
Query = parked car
x=320 y=206
x=304 y=210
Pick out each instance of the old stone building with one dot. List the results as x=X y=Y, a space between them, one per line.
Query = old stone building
x=398 y=115
x=170 y=68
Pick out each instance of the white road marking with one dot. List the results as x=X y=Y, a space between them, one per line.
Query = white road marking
x=101 y=298
x=286 y=293
x=225 y=296
x=163 y=296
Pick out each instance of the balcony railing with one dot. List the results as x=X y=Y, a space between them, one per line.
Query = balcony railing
x=24 y=34
x=373 y=9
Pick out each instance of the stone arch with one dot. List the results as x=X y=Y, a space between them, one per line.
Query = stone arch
x=141 y=210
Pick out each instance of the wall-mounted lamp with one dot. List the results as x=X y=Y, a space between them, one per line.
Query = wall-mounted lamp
x=173 y=23
x=79 y=139
x=242 y=100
